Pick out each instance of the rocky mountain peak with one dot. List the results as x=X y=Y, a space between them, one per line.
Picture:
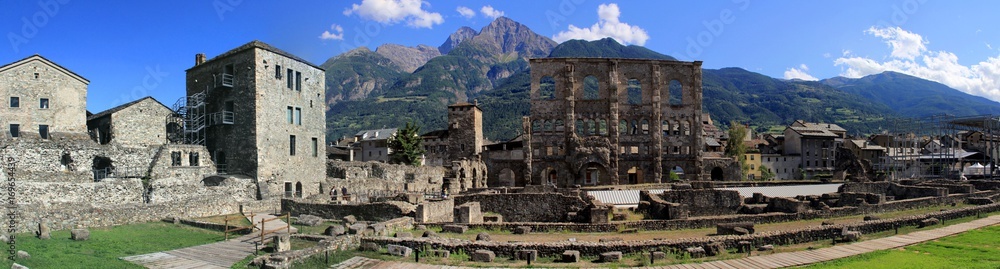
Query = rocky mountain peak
x=456 y=38
x=408 y=58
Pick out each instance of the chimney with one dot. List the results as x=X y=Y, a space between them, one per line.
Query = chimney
x=199 y=58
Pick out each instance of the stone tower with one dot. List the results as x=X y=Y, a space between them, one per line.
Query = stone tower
x=465 y=130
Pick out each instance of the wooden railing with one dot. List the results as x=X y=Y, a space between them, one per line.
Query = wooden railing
x=237 y=228
x=264 y=231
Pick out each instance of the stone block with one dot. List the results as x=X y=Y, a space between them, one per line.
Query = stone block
x=659 y=255
x=308 y=220
x=483 y=237
x=397 y=250
x=744 y=246
x=599 y=214
x=369 y=246
x=715 y=248
x=23 y=255
x=851 y=236
x=282 y=242
x=571 y=256
x=377 y=229
x=350 y=219
x=741 y=231
x=429 y=233
x=18 y=266
x=43 y=232
x=522 y=230
x=4 y=238
x=468 y=213
x=871 y=218
x=729 y=228
x=611 y=256
x=929 y=222
x=404 y=235
x=765 y=248
x=527 y=255
x=610 y=239
x=459 y=229
x=334 y=230
x=483 y=255
x=695 y=252
x=79 y=234
x=357 y=228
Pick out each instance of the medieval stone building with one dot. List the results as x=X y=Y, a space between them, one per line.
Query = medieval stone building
x=142 y=122
x=599 y=121
x=260 y=111
x=459 y=147
x=42 y=99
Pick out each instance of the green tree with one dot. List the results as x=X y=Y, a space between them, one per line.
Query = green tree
x=735 y=147
x=765 y=173
x=406 y=146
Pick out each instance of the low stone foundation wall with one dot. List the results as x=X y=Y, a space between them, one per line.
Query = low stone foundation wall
x=730 y=241
x=367 y=212
x=326 y=243
x=710 y=222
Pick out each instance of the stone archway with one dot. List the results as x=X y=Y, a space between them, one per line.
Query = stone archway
x=506 y=178
x=718 y=174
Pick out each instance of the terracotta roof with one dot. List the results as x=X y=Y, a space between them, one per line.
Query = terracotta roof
x=123 y=106
x=805 y=131
x=260 y=45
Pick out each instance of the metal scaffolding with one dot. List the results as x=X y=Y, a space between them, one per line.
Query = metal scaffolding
x=940 y=147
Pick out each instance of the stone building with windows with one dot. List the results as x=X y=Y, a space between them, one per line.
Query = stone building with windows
x=42 y=100
x=260 y=112
x=459 y=148
x=142 y=122
x=600 y=121
x=373 y=145
x=816 y=144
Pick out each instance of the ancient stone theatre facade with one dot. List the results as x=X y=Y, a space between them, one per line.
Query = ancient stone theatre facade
x=601 y=121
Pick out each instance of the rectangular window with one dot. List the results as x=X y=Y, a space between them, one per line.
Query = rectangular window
x=175 y=158
x=15 y=130
x=315 y=147
x=298 y=81
x=193 y=159
x=43 y=103
x=43 y=131
x=298 y=115
x=291 y=145
x=15 y=101
x=290 y=73
x=277 y=72
x=290 y=116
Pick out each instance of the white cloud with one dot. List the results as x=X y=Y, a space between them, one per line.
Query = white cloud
x=338 y=33
x=827 y=55
x=904 y=44
x=395 y=11
x=488 y=11
x=982 y=79
x=608 y=25
x=799 y=73
x=468 y=13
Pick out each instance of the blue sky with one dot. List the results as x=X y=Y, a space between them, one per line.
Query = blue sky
x=130 y=49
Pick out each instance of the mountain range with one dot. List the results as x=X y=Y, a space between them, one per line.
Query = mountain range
x=396 y=84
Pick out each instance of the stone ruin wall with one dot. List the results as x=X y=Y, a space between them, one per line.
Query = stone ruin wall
x=69 y=160
x=381 y=211
x=380 y=178
x=528 y=207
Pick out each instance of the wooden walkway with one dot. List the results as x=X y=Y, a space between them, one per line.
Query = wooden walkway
x=779 y=260
x=215 y=255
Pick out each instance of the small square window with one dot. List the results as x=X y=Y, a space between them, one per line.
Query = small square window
x=277 y=72
x=193 y=159
x=43 y=103
x=298 y=115
x=15 y=101
x=43 y=131
x=175 y=158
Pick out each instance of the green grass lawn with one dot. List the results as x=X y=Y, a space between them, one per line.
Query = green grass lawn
x=973 y=249
x=108 y=244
